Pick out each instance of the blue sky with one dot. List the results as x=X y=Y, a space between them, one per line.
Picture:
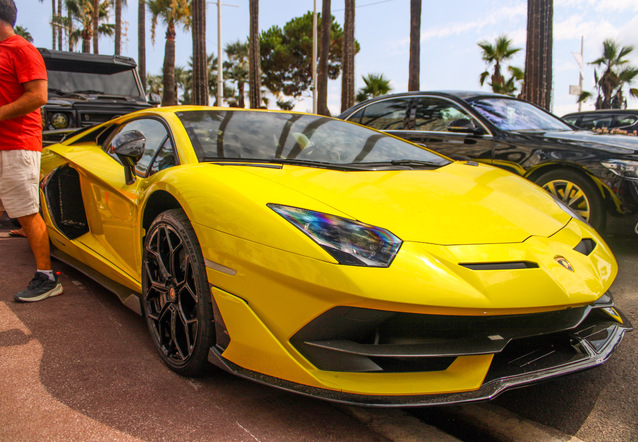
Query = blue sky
x=450 y=30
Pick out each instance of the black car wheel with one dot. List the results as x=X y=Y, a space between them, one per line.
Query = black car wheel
x=176 y=297
x=578 y=193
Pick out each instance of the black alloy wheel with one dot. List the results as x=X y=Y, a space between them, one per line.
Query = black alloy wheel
x=578 y=193
x=176 y=296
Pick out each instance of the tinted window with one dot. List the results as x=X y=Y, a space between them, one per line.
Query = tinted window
x=623 y=121
x=435 y=114
x=257 y=135
x=595 y=122
x=156 y=136
x=386 y=114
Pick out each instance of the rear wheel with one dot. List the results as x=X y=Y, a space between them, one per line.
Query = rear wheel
x=176 y=297
x=578 y=193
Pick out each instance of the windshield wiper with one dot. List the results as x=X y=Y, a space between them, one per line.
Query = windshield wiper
x=320 y=164
x=415 y=163
x=89 y=91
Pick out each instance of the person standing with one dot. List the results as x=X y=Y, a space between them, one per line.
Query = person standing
x=23 y=89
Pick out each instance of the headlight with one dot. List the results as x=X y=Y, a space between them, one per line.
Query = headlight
x=624 y=168
x=59 y=120
x=349 y=242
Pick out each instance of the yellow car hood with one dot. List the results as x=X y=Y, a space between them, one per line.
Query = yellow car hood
x=456 y=204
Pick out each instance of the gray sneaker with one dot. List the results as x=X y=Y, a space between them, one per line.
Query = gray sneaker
x=40 y=287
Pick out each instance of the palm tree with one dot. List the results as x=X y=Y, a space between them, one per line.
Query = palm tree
x=96 y=19
x=81 y=11
x=172 y=13
x=22 y=32
x=322 y=77
x=616 y=74
x=155 y=84
x=141 y=41
x=347 y=79
x=375 y=86
x=495 y=55
x=200 y=70
x=118 y=25
x=415 y=46
x=537 y=87
x=254 y=63
x=236 y=68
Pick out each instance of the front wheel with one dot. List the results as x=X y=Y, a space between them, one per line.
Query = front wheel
x=578 y=193
x=175 y=293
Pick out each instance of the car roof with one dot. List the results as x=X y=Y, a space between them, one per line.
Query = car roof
x=602 y=111
x=459 y=94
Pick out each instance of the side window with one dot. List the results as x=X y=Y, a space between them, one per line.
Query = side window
x=622 y=121
x=165 y=158
x=592 y=122
x=387 y=114
x=156 y=136
x=434 y=114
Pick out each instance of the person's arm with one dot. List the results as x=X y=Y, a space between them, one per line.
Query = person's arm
x=35 y=95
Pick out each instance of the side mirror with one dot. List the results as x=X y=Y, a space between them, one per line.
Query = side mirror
x=154 y=99
x=464 y=125
x=129 y=147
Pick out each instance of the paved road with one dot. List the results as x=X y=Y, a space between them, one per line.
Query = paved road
x=82 y=367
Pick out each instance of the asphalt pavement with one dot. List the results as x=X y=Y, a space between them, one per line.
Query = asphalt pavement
x=81 y=366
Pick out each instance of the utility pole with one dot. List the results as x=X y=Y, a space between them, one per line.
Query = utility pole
x=314 y=59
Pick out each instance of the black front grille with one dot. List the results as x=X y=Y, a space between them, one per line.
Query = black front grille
x=362 y=340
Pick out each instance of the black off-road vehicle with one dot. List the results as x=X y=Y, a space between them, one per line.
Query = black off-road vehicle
x=87 y=89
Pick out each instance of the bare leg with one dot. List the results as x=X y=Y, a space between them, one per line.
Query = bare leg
x=36 y=231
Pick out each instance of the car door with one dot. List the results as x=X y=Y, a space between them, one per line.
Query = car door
x=444 y=126
x=113 y=212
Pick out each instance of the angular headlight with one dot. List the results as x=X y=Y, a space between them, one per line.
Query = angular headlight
x=624 y=168
x=349 y=242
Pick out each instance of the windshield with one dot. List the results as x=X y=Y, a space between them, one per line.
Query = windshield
x=514 y=115
x=267 y=136
x=121 y=83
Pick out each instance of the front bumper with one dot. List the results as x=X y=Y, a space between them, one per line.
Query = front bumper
x=574 y=340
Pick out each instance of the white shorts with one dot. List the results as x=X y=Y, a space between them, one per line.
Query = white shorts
x=19 y=177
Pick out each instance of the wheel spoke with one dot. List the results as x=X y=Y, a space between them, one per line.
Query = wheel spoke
x=570 y=194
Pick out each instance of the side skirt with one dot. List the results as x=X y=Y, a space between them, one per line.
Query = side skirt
x=129 y=298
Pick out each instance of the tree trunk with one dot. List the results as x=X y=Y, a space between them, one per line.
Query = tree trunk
x=200 y=61
x=170 y=94
x=538 y=56
x=347 y=81
x=60 y=29
x=53 y=28
x=86 y=40
x=254 y=61
x=141 y=41
x=415 y=46
x=322 y=74
x=96 y=25
x=70 y=30
x=118 y=27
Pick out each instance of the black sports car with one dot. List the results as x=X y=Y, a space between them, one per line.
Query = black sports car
x=596 y=175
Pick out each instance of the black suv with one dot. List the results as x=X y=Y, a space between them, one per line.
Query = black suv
x=594 y=174
x=87 y=89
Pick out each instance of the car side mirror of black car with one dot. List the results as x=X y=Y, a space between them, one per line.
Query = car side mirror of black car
x=154 y=99
x=129 y=147
x=464 y=125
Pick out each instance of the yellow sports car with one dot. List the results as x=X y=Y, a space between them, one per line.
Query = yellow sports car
x=329 y=259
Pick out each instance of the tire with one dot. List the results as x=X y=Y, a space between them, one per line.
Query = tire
x=578 y=193
x=175 y=294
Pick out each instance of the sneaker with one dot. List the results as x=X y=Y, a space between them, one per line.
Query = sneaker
x=40 y=287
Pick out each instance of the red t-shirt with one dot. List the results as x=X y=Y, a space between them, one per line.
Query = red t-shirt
x=20 y=62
